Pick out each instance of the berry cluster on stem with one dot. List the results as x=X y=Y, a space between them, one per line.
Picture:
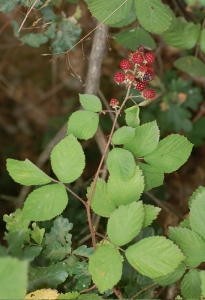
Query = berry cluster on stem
x=137 y=72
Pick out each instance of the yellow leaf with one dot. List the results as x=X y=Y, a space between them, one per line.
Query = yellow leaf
x=43 y=294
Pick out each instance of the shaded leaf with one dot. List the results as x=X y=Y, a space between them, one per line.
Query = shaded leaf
x=172 y=277
x=34 y=39
x=191 y=285
x=152 y=176
x=191 y=65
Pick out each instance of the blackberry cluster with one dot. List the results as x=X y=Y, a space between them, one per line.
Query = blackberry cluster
x=138 y=71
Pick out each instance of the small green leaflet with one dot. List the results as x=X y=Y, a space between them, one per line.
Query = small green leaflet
x=90 y=102
x=191 y=65
x=121 y=163
x=152 y=176
x=37 y=233
x=31 y=252
x=56 y=252
x=105 y=266
x=197 y=210
x=109 y=12
x=26 y=173
x=83 y=124
x=13 y=278
x=132 y=116
x=134 y=37
x=82 y=275
x=191 y=285
x=195 y=195
x=124 y=192
x=171 y=153
x=125 y=223
x=172 y=277
x=123 y=135
x=154 y=256
x=182 y=34
x=83 y=251
x=15 y=221
x=192 y=245
x=202 y=277
x=45 y=203
x=153 y=15
x=145 y=140
x=34 y=39
x=101 y=203
x=150 y=214
x=68 y=159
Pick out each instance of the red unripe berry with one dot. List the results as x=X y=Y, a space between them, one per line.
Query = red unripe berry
x=125 y=64
x=140 y=86
x=119 y=77
x=137 y=58
x=114 y=103
x=142 y=69
x=149 y=57
x=130 y=77
x=148 y=94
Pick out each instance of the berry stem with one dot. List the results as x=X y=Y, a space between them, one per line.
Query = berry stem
x=99 y=169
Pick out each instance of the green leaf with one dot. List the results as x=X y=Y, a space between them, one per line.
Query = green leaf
x=34 y=39
x=15 y=27
x=90 y=102
x=66 y=37
x=145 y=140
x=109 y=12
x=197 y=211
x=125 y=223
x=152 y=176
x=37 y=233
x=150 y=214
x=202 y=40
x=132 y=38
x=51 y=30
x=47 y=277
x=101 y=203
x=83 y=124
x=59 y=232
x=83 y=251
x=202 y=277
x=15 y=221
x=7 y=5
x=172 y=277
x=132 y=116
x=153 y=15
x=123 y=135
x=124 y=192
x=29 y=3
x=191 y=285
x=154 y=256
x=13 y=278
x=127 y=20
x=191 y=244
x=196 y=193
x=68 y=159
x=197 y=135
x=15 y=242
x=191 y=65
x=30 y=253
x=185 y=224
x=56 y=252
x=182 y=34
x=105 y=266
x=26 y=173
x=89 y=297
x=121 y=163
x=82 y=275
x=45 y=203
x=171 y=153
